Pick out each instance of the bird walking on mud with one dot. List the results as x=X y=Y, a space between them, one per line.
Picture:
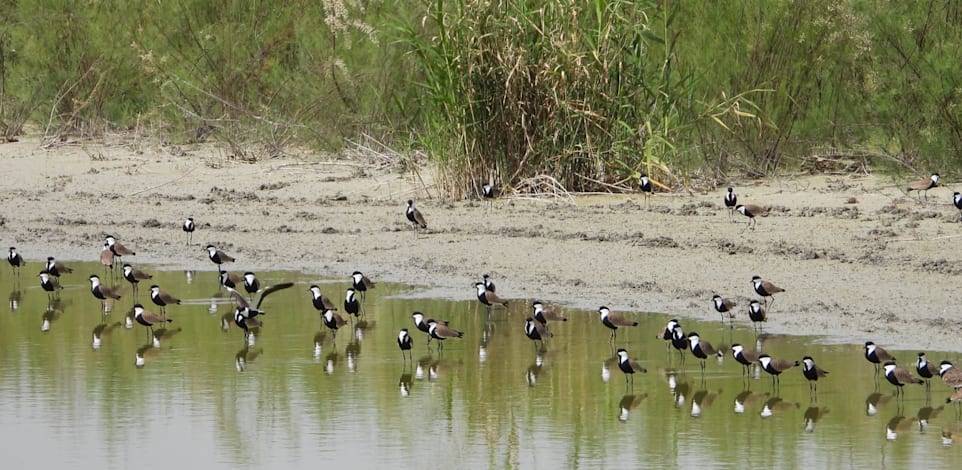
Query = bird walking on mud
x=415 y=217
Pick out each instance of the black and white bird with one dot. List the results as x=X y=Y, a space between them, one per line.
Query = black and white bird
x=679 y=340
x=926 y=369
x=535 y=331
x=134 y=276
x=148 y=318
x=701 y=349
x=118 y=249
x=103 y=292
x=351 y=304
x=614 y=321
x=629 y=366
x=50 y=284
x=744 y=357
x=544 y=315
x=488 y=298
x=757 y=314
x=724 y=306
x=189 y=227
x=751 y=211
x=731 y=200
x=899 y=376
x=441 y=332
x=775 y=367
x=15 y=260
x=422 y=324
x=163 y=299
x=924 y=185
x=644 y=185
x=251 y=284
x=489 y=192
x=765 y=289
x=488 y=283
x=218 y=257
x=812 y=372
x=405 y=344
x=332 y=321
x=415 y=217
x=665 y=333
x=320 y=301
x=245 y=313
x=229 y=279
x=361 y=282
x=56 y=268
x=957 y=202
x=951 y=376
x=876 y=355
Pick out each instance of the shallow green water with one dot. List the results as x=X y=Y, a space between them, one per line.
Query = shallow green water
x=489 y=401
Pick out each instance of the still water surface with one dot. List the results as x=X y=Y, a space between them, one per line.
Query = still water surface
x=295 y=399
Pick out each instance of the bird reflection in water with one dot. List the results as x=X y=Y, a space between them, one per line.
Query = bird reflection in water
x=102 y=332
x=53 y=312
x=812 y=415
x=423 y=364
x=318 y=345
x=702 y=399
x=748 y=399
x=486 y=336
x=146 y=353
x=330 y=361
x=951 y=433
x=352 y=352
x=246 y=356
x=926 y=414
x=189 y=277
x=629 y=402
x=405 y=382
x=164 y=334
x=16 y=295
x=874 y=401
x=776 y=405
x=534 y=370
x=899 y=425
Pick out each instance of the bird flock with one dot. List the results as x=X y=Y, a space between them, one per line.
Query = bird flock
x=247 y=313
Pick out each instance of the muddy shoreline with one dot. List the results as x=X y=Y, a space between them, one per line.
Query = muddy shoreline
x=885 y=268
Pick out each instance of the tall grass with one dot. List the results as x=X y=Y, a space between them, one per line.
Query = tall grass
x=588 y=94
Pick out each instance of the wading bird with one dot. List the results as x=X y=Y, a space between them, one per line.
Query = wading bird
x=244 y=314
x=134 y=276
x=731 y=200
x=899 y=377
x=488 y=298
x=535 y=331
x=629 y=367
x=613 y=321
x=775 y=367
x=189 y=229
x=923 y=185
x=103 y=292
x=149 y=319
x=812 y=372
x=751 y=211
x=876 y=355
x=415 y=217
x=441 y=332
x=723 y=306
x=162 y=299
x=404 y=343
x=766 y=290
